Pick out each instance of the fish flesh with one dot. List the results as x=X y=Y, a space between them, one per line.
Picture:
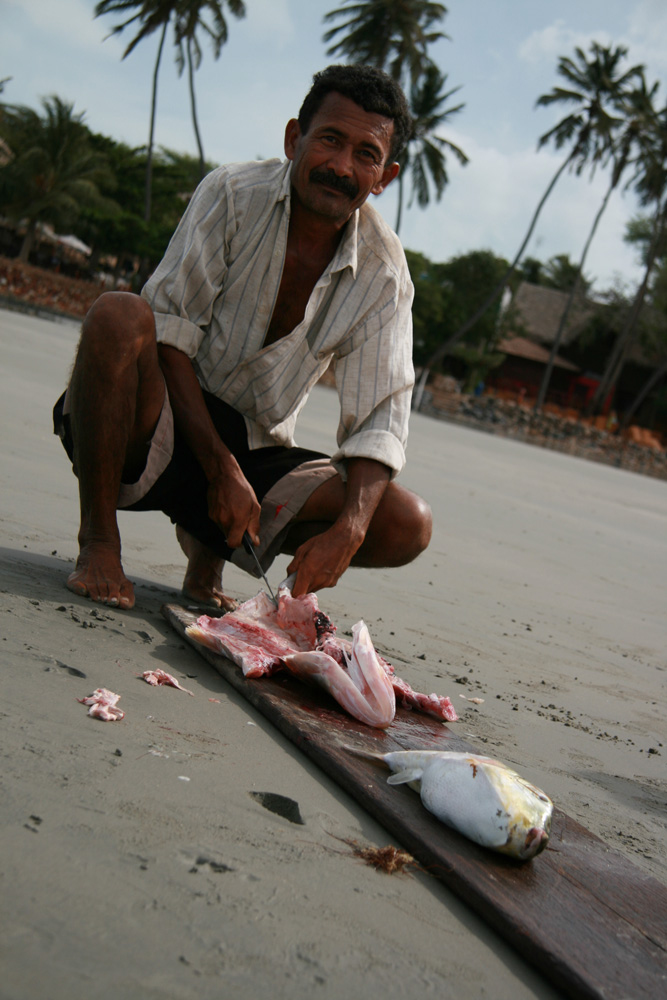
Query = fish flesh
x=259 y=637
x=158 y=677
x=103 y=705
x=363 y=689
x=482 y=798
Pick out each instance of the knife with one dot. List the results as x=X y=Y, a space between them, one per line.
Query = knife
x=250 y=548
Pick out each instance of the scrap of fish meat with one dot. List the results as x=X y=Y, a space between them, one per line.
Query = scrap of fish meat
x=103 y=705
x=480 y=797
x=363 y=689
x=158 y=677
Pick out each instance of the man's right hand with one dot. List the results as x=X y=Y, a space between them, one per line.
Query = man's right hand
x=232 y=504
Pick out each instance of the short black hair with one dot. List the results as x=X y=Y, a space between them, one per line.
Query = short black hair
x=371 y=88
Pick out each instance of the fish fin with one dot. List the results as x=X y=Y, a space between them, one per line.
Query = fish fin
x=405 y=776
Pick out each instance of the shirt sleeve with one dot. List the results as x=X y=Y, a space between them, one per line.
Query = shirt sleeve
x=374 y=377
x=184 y=286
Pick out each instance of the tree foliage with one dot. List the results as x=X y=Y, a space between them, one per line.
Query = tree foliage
x=53 y=170
x=395 y=36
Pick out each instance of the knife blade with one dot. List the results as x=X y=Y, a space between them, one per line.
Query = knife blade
x=250 y=548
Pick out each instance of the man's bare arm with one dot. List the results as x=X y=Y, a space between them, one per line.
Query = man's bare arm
x=322 y=560
x=231 y=500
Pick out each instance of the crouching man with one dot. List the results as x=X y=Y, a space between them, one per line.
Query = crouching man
x=185 y=399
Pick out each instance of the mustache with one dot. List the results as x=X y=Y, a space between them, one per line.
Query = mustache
x=332 y=180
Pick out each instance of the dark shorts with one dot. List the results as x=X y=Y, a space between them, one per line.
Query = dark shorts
x=282 y=478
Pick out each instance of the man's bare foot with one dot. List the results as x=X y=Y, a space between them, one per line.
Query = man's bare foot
x=203 y=577
x=99 y=576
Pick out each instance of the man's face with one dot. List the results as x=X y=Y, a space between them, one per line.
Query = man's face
x=341 y=159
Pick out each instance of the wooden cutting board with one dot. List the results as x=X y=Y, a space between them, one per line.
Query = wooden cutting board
x=581 y=913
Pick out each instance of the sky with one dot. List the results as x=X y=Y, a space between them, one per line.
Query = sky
x=502 y=54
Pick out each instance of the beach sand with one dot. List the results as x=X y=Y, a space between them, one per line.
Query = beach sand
x=135 y=861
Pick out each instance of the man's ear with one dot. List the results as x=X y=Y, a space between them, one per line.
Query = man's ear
x=292 y=135
x=389 y=174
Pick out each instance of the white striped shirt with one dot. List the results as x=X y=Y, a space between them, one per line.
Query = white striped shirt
x=213 y=296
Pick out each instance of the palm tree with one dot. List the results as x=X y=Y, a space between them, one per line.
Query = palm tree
x=191 y=17
x=53 y=169
x=637 y=108
x=424 y=155
x=394 y=35
x=651 y=186
x=390 y=34
x=151 y=15
x=594 y=85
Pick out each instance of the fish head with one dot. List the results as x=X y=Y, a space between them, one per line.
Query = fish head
x=535 y=841
x=528 y=835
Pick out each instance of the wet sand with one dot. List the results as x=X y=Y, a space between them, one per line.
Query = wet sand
x=136 y=863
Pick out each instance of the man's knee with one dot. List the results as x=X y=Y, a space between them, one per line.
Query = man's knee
x=121 y=320
x=408 y=525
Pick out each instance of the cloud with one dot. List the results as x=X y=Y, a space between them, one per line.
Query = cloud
x=489 y=205
x=556 y=40
x=70 y=19
x=645 y=37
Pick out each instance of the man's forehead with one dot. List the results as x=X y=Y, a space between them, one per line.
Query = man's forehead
x=342 y=112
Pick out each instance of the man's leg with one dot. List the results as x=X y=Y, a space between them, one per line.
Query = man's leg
x=399 y=531
x=116 y=396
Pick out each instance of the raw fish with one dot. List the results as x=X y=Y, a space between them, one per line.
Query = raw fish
x=159 y=677
x=259 y=637
x=480 y=797
x=364 y=689
x=103 y=705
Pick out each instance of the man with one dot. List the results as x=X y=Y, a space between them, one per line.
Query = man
x=185 y=399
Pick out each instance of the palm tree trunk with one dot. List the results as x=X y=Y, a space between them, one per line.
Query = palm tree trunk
x=399 y=211
x=624 y=340
x=28 y=240
x=444 y=349
x=643 y=393
x=546 y=378
x=151 y=133
x=193 y=108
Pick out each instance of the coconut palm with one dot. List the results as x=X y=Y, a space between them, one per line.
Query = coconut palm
x=53 y=169
x=390 y=34
x=207 y=16
x=638 y=114
x=595 y=85
x=394 y=35
x=424 y=156
x=150 y=16
x=651 y=186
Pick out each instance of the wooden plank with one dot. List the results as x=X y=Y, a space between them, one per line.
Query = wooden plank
x=585 y=916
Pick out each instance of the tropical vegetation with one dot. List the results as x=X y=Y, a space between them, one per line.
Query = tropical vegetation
x=395 y=35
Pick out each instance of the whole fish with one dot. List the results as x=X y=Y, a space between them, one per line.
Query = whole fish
x=480 y=797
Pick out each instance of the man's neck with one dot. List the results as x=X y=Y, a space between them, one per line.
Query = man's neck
x=315 y=234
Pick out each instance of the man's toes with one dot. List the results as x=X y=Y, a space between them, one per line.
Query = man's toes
x=76 y=586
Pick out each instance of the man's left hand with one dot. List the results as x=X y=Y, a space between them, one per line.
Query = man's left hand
x=322 y=560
